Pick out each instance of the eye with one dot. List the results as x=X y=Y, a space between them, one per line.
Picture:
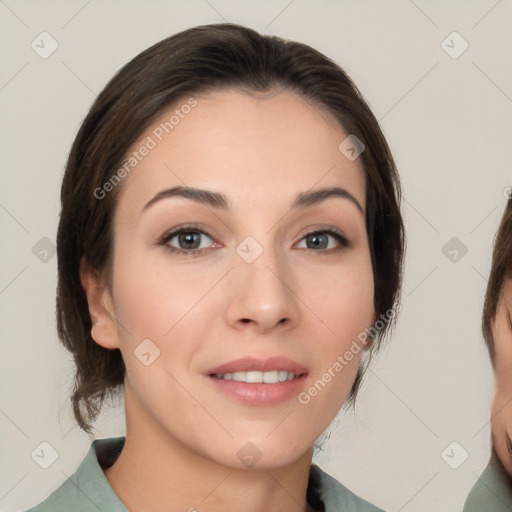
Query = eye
x=319 y=241
x=189 y=239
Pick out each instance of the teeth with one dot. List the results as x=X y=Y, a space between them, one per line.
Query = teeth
x=283 y=375
x=271 y=377
x=257 y=377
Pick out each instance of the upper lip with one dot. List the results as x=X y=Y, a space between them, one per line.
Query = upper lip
x=248 y=364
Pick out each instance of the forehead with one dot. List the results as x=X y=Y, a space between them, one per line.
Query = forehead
x=254 y=147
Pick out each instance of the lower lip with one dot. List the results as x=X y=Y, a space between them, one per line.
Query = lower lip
x=260 y=393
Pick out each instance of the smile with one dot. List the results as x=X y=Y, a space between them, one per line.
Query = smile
x=255 y=377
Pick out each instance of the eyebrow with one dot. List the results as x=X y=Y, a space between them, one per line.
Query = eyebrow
x=220 y=201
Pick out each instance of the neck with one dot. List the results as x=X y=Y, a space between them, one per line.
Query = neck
x=155 y=471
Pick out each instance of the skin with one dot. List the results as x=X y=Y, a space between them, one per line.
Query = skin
x=294 y=300
x=501 y=416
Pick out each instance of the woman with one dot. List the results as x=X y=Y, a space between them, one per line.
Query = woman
x=230 y=245
x=493 y=490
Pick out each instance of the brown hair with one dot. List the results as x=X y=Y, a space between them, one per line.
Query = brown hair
x=501 y=269
x=198 y=60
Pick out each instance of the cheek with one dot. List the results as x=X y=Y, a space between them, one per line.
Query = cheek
x=345 y=307
x=156 y=313
x=170 y=306
x=503 y=356
x=152 y=298
x=344 y=300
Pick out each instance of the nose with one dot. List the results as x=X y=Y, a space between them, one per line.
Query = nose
x=262 y=295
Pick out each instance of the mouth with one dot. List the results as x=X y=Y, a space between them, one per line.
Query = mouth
x=278 y=369
x=259 y=382
x=256 y=377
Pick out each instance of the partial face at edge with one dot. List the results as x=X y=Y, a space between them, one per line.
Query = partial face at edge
x=501 y=422
x=306 y=298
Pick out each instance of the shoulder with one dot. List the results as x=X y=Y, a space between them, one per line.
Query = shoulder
x=61 y=499
x=87 y=489
x=337 y=497
x=491 y=492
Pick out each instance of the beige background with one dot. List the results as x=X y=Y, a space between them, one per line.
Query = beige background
x=448 y=121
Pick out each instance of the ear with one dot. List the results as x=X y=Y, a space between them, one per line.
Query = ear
x=101 y=307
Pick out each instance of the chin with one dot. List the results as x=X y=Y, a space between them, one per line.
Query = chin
x=259 y=453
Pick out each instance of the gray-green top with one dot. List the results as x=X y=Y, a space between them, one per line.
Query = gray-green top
x=87 y=490
x=491 y=493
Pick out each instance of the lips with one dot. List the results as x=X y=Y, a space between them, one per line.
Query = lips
x=248 y=364
x=259 y=382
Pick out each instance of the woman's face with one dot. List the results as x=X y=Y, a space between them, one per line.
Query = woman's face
x=501 y=417
x=257 y=287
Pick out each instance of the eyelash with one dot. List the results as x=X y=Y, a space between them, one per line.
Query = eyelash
x=340 y=237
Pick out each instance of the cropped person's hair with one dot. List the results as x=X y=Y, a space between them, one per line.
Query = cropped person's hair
x=195 y=61
x=501 y=270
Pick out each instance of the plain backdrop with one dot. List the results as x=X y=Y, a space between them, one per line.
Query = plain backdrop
x=446 y=111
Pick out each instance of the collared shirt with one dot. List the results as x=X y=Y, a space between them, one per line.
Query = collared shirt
x=88 y=490
x=491 y=493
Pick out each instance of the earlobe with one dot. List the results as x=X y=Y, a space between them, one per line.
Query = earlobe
x=99 y=300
